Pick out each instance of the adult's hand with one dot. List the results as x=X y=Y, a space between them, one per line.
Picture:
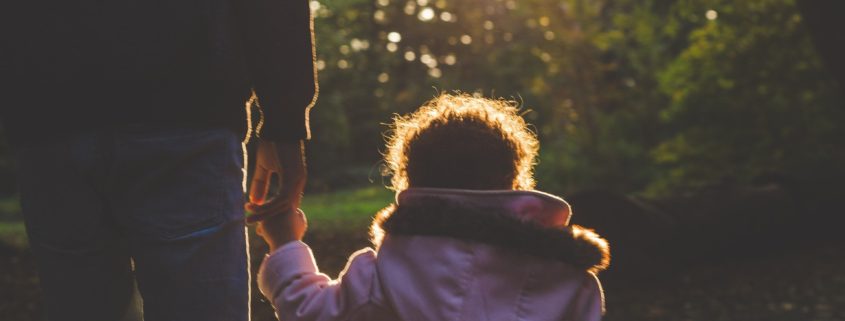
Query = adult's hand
x=287 y=160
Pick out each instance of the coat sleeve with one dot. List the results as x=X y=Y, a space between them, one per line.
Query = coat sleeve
x=290 y=280
x=588 y=303
x=280 y=55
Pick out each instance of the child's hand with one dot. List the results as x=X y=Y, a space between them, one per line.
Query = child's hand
x=277 y=230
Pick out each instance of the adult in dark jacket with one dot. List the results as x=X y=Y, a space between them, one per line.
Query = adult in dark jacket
x=127 y=118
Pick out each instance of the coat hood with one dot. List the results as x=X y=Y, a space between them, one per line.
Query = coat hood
x=529 y=222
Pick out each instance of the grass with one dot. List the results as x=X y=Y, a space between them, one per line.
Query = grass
x=13 y=234
x=9 y=206
x=351 y=209
x=341 y=211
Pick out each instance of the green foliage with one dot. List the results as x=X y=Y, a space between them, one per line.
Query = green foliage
x=631 y=95
x=748 y=96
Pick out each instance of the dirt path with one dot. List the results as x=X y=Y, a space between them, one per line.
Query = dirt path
x=800 y=285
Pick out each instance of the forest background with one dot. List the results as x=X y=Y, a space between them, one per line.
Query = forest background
x=654 y=97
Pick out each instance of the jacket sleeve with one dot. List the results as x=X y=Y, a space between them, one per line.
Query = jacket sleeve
x=588 y=303
x=289 y=278
x=280 y=55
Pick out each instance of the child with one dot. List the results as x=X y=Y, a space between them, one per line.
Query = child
x=467 y=239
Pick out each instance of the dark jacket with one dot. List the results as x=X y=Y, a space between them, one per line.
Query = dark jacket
x=75 y=65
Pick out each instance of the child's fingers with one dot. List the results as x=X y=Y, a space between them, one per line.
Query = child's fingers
x=302 y=216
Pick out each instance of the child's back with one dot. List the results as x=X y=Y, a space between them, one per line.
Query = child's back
x=487 y=255
x=446 y=252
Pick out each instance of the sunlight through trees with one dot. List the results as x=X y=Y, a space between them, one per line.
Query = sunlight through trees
x=648 y=96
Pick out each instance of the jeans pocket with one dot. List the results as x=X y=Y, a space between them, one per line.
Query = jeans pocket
x=175 y=183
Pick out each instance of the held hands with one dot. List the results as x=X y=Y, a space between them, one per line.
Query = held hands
x=280 y=219
x=278 y=230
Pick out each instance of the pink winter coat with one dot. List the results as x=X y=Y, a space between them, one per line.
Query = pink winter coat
x=451 y=255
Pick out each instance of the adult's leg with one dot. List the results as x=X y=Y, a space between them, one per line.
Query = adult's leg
x=82 y=260
x=181 y=197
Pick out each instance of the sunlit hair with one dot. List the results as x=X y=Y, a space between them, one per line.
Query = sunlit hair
x=461 y=141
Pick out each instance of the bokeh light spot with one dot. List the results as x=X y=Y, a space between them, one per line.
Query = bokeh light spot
x=435 y=72
x=359 y=44
x=410 y=8
x=544 y=21
x=466 y=39
x=378 y=16
x=410 y=55
x=711 y=14
x=428 y=60
x=446 y=16
x=426 y=14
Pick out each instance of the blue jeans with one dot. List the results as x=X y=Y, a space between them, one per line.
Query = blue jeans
x=160 y=208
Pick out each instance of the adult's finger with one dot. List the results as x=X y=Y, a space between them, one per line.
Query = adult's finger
x=261 y=213
x=260 y=184
x=291 y=191
x=293 y=174
x=276 y=205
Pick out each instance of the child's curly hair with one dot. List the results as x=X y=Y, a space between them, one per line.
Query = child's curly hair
x=461 y=141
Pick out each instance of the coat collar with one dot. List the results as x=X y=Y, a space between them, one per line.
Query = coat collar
x=541 y=208
x=530 y=222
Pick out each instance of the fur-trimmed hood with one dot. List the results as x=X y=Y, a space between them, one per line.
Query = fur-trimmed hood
x=528 y=222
